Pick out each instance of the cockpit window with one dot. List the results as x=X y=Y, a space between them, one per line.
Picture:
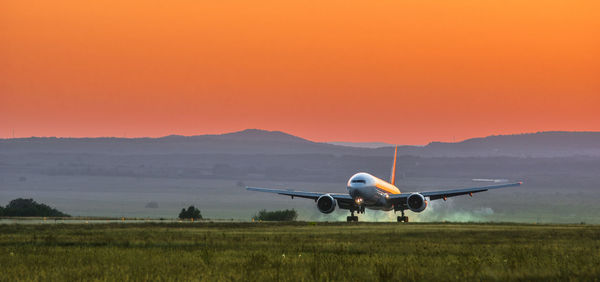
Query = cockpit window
x=359 y=181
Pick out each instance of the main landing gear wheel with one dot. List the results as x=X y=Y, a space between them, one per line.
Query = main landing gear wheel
x=403 y=219
x=352 y=217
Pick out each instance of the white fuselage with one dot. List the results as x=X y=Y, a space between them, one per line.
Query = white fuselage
x=370 y=191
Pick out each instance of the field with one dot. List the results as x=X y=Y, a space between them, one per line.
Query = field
x=298 y=251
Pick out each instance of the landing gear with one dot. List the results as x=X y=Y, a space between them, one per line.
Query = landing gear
x=403 y=218
x=352 y=217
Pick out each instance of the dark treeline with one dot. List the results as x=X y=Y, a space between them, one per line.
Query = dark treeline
x=282 y=215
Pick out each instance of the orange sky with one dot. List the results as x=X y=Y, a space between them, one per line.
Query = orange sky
x=405 y=72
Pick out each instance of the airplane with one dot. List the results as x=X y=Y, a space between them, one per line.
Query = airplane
x=366 y=191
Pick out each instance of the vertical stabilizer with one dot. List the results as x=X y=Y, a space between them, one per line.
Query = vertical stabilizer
x=393 y=176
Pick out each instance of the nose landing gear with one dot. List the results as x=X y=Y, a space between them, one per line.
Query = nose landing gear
x=352 y=217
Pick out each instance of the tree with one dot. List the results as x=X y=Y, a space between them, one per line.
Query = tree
x=282 y=215
x=29 y=207
x=190 y=213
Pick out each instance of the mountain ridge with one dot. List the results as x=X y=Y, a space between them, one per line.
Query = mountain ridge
x=258 y=141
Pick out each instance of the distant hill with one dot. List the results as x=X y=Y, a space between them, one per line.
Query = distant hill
x=541 y=144
x=255 y=141
x=250 y=141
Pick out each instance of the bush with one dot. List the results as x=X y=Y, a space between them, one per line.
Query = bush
x=282 y=215
x=190 y=213
x=29 y=207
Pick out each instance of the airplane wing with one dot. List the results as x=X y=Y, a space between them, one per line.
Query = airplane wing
x=434 y=195
x=301 y=194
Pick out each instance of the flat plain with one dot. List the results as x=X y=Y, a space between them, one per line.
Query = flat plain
x=299 y=251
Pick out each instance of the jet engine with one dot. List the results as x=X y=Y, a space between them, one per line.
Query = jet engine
x=416 y=202
x=326 y=203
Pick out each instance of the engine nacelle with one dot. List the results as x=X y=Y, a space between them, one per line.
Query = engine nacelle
x=416 y=202
x=326 y=203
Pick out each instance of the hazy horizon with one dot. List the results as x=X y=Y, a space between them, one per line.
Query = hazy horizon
x=365 y=144
x=107 y=178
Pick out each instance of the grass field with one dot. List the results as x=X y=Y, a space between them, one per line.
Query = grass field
x=299 y=251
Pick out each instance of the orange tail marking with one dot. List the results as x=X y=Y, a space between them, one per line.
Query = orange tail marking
x=393 y=177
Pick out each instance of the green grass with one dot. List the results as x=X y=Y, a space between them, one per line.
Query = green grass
x=299 y=251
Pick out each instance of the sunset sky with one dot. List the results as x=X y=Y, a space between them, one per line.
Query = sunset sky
x=405 y=72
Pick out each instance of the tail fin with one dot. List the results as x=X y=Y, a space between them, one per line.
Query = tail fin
x=393 y=176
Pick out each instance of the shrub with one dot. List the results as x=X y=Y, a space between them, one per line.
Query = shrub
x=29 y=207
x=282 y=215
x=190 y=213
